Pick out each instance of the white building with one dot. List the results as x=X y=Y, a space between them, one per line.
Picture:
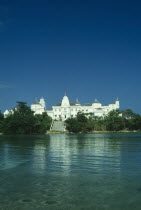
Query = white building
x=39 y=107
x=66 y=109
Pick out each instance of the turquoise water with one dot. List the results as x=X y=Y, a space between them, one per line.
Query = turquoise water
x=93 y=171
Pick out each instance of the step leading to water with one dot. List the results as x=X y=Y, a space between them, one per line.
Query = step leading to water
x=58 y=126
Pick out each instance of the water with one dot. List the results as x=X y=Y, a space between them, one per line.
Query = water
x=70 y=172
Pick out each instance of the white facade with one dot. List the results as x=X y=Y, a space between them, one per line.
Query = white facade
x=66 y=109
x=38 y=107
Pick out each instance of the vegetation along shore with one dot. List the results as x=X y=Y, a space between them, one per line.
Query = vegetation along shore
x=23 y=121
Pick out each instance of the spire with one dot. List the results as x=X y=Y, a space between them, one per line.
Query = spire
x=96 y=101
x=77 y=102
x=117 y=99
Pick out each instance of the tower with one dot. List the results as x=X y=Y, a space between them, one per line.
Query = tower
x=117 y=103
x=42 y=102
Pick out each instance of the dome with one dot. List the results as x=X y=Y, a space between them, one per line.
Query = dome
x=36 y=102
x=65 y=101
x=96 y=101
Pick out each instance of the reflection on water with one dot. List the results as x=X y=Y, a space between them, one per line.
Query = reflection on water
x=39 y=161
x=93 y=171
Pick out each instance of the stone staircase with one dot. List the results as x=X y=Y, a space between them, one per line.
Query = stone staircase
x=58 y=126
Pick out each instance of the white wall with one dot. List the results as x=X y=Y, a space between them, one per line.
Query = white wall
x=66 y=110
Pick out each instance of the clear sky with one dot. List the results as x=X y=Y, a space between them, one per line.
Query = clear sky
x=86 y=48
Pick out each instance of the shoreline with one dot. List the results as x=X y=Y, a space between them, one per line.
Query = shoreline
x=93 y=132
x=66 y=132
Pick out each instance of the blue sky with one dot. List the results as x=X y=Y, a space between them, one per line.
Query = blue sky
x=86 y=48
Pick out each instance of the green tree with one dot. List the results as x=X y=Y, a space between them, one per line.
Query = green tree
x=72 y=125
x=81 y=117
x=128 y=113
x=134 y=123
x=1 y=121
x=78 y=124
x=113 y=121
x=99 y=124
x=21 y=121
x=42 y=123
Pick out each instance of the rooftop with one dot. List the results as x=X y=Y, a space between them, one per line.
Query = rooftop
x=36 y=102
x=96 y=101
x=87 y=104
